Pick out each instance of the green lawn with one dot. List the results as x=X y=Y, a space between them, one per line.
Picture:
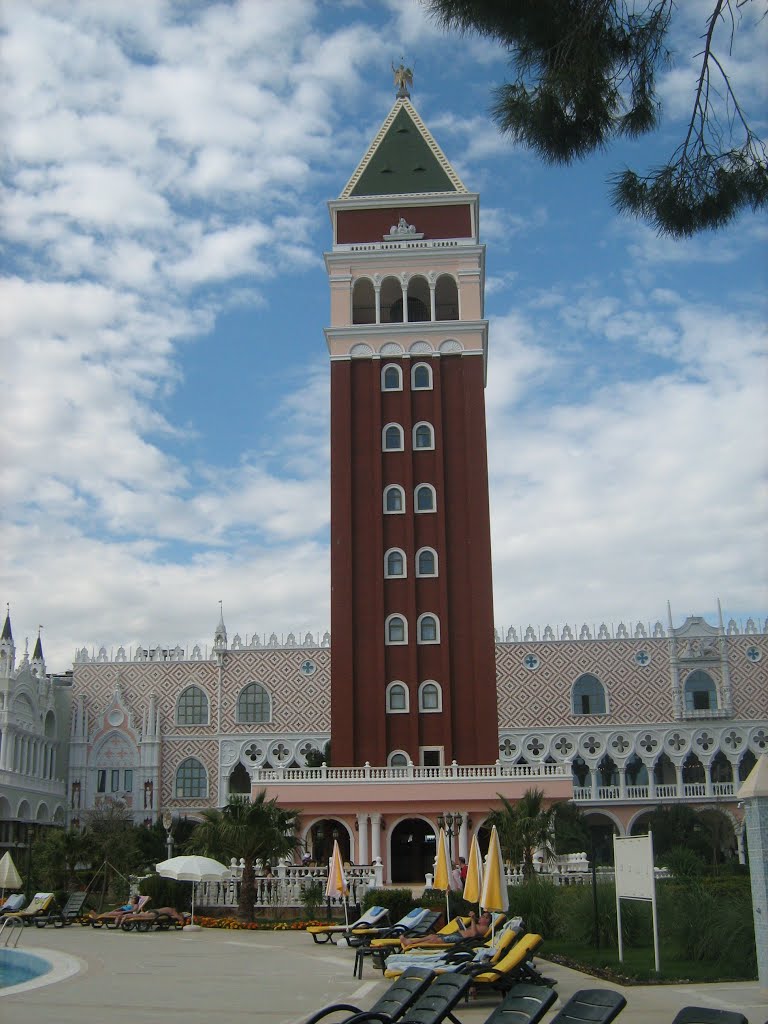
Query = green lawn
x=638 y=966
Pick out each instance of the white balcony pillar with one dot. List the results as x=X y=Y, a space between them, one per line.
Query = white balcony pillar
x=362 y=838
x=375 y=837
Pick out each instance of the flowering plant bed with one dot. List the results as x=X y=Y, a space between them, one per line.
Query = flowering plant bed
x=234 y=923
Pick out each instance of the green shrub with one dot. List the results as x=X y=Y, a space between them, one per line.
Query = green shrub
x=575 y=912
x=165 y=892
x=312 y=897
x=696 y=917
x=683 y=862
x=397 y=901
x=537 y=903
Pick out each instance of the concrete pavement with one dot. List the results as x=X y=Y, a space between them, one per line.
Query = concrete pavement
x=270 y=978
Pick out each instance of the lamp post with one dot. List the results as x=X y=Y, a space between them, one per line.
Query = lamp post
x=168 y=826
x=449 y=822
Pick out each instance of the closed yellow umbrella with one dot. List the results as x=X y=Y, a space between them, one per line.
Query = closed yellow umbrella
x=494 y=894
x=443 y=870
x=337 y=879
x=473 y=884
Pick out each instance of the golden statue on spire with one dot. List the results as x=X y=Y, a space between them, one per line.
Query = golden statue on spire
x=403 y=79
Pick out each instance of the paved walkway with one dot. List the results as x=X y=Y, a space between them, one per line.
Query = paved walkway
x=228 y=977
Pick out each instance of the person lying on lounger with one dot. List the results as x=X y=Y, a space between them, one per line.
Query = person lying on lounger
x=476 y=929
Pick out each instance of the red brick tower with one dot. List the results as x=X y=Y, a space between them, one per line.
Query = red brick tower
x=413 y=670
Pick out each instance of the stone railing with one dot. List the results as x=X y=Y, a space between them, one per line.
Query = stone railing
x=285 y=887
x=413 y=773
x=666 y=791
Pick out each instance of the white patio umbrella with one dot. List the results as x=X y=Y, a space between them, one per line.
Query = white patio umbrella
x=193 y=869
x=337 y=879
x=9 y=876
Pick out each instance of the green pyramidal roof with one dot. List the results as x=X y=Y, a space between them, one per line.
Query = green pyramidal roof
x=403 y=159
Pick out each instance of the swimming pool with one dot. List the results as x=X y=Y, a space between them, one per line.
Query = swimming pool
x=17 y=967
x=21 y=971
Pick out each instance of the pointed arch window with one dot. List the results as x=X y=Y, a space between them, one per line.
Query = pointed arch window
x=428 y=628
x=192 y=707
x=426 y=562
x=395 y=630
x=392 y=438
x=423 y=436
x=430 y=697
x=588 y=696
x=254 y=705
x=394 y=499
x=395 y=565
x=421 y=377
x=397 y=698
x=425 y=498
x=191 y=779
x=391 y=378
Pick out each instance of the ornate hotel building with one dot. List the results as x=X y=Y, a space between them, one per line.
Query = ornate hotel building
x=427 y=710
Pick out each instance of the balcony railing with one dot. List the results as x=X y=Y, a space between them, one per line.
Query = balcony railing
x=413 y=773
x=666 y=791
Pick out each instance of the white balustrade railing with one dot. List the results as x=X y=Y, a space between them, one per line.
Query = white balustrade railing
x=412 y=773
x=666 y=791
x=285 y=887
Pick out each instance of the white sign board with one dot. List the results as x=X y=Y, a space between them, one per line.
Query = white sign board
x=634 y=867
x=635 y=880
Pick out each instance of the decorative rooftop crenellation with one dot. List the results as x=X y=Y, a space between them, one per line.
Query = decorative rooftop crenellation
x=293 y=641
x=636 y=631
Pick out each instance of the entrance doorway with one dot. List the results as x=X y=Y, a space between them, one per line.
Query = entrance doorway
x=412 y=847
x=321 y=838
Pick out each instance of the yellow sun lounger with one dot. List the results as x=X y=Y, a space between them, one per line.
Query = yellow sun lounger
x=372 y=918
x=39 y=904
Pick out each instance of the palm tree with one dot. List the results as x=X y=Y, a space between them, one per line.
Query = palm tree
x=252 y=829
x=524 y=827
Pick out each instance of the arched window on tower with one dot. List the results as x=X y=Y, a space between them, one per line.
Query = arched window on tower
x=363 y=302
x=423 y=436
x=428 y=629
x=588 y=696
x=192 y=707
x=397 y=759
x=397 y=698
x=426 y=562
x=430 y=697
x=394 y=499
x=191 y=779
x=392 y=438
x=394 y=563
x=419 y=302
x=700 y=692
x=446 y=298
x=391 y=300
x=425 y=499
x=254 y=704
x=421 y=377
x=391 y=378
x=395 y=630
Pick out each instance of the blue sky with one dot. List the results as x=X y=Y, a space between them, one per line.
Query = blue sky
x=165 y=399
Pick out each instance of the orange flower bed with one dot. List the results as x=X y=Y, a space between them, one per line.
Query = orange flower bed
x=234 y=923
